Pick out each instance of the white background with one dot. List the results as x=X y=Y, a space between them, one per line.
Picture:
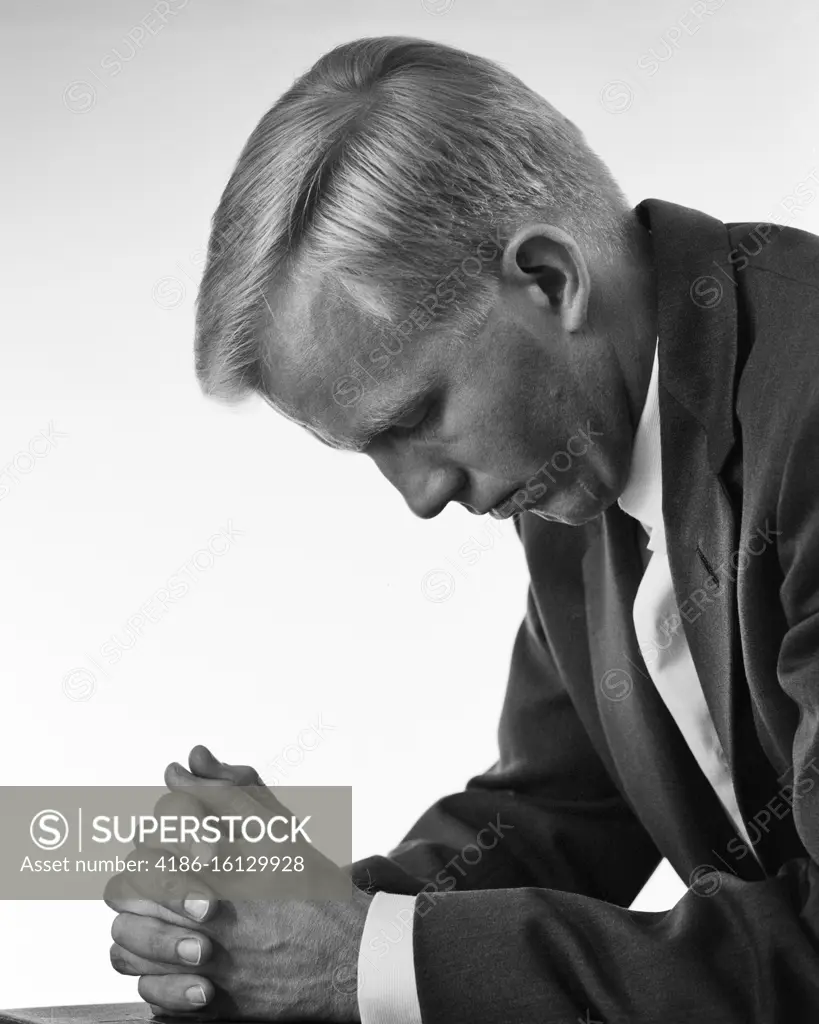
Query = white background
x=114 y=158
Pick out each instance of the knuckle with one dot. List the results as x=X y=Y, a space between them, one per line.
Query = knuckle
x=158 y=884
x=159 y=948
x=171 y=887
x=117 y=958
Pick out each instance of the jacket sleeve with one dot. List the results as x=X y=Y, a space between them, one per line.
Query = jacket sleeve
x=547 y=813
x=732 y=952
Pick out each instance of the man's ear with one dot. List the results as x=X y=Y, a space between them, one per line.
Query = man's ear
x=546 y=265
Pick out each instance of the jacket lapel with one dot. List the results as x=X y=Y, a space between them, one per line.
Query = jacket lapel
x=698 y=347
x=697 y=327
x=657 y=770
x=697 y=356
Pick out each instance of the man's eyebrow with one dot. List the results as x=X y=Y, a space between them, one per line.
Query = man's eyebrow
x=373 y=421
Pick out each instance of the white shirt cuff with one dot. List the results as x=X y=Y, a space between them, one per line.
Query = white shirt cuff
x=387 y=993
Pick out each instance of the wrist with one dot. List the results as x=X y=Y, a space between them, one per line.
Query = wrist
x=344 y=994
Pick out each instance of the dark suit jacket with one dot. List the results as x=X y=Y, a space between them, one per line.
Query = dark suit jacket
x=528 y=873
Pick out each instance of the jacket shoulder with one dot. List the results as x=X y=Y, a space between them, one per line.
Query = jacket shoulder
x=777 y=250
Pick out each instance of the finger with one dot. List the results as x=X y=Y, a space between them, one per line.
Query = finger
x=125 y=962
x=167 y=895
x=120 y=895
x=184 y=813
x=120 y=960
x=204 y=765
x=221 y=796
x=176 y=991
x=160 y=942
x=167 y=882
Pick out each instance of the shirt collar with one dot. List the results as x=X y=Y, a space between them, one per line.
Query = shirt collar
x=642 y=496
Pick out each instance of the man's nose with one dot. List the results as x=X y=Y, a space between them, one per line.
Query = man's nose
x=426 y=489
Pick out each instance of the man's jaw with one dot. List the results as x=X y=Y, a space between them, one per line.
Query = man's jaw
x=554 y=506
x=507 y=506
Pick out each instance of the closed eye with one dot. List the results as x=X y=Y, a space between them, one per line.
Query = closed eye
x=423 y=426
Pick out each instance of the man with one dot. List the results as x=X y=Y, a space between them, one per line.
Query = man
x=419 y=259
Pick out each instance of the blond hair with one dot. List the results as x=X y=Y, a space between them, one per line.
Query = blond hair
x=382 y=168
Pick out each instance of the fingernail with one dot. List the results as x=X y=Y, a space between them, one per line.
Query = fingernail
x=190 y=950
x=196 y=907
x=196 y=994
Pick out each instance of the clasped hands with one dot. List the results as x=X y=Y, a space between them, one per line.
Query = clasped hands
x=199 y=955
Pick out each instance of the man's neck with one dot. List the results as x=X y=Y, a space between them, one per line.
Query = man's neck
x=634 y=318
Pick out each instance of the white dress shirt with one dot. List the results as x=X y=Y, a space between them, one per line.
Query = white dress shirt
x=387 y=991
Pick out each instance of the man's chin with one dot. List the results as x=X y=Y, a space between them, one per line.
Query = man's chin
x=576 y=508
